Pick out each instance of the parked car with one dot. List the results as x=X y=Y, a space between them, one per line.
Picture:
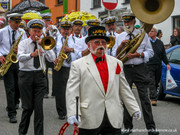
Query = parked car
x=173 y=55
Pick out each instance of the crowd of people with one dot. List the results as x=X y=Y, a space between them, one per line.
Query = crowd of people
x=90 y=70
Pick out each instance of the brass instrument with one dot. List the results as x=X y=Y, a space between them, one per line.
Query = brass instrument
x=47 y=43
x=149 y=12
x=62 y=56
x=111 y=42
x=10 y=58
x=53 y=31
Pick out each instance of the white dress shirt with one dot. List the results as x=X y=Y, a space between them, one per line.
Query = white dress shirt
x=145 y=48
x=117 y=41
x=50 y=32
x=26 y=62
x=71 y=44
x=6 y=39
x=81 y=45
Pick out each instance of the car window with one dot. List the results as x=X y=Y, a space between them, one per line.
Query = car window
x=174 y=56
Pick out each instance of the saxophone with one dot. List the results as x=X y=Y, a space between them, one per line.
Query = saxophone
x=10 y=58
x=62 y=56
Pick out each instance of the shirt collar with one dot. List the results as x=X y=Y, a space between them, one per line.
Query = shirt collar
x=152 y=40
x=94 y=57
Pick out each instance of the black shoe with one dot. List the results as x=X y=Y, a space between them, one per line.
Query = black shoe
x=17 y=106
x=62 y=117
x=153 y=132
x=126 y=131
x=12 y=119
x=45 y=95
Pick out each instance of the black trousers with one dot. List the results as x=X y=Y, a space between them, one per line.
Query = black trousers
x=12 y=90
x=60 y=82
x=104 y=129
x=32 y=86
x=154 y=74
x=49 y=65
x=138 y=75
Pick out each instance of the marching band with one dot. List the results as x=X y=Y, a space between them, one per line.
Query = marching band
x=82 y=66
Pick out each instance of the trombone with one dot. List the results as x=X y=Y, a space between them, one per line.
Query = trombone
x=47 y=43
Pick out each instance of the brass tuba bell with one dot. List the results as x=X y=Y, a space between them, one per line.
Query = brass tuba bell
x=152 y=11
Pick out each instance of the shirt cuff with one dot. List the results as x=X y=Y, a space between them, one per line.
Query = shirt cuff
x=146 y=57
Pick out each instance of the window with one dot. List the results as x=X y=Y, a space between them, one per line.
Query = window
x=176 y=22
x=126 y=2
x=174 y=56
x=59 y=1
x=42 y=1
x=96 y=3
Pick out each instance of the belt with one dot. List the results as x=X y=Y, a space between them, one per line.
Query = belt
x=34 y=71
x=132 y=65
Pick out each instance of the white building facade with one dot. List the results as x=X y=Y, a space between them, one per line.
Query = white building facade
x=96 y=7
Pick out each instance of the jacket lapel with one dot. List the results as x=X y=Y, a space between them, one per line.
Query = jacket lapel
x=111 y=70
x=94 y=72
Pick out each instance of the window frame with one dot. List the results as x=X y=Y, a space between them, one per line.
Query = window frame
x=96 y=6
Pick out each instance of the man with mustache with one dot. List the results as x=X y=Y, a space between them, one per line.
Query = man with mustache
x=99 y=82
x=77 y=27
x=110 y=24
x=81 y=44
x=135 y=72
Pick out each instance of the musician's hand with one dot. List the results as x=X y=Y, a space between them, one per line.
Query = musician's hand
x=67 y=49
x=16 y=49
x=133 y=55
x=72 y=120
x=34 y=54
x=41 y=51
x=56 y=61
x=2 y=59
x=49 y=27
x=123 y=43
x=38 y=40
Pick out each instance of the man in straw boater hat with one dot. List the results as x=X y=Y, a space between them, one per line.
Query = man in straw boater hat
x=99 y=82
x=61 y=76
x=49 y=30
x=32 y=81
x=8 y=37
x=81 y=44
x=110 y=24
x=77 y=27
x=136 y=72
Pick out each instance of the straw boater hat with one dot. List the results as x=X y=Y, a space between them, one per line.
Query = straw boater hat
x=15 y=17
x=36 y=23
x=110 y=20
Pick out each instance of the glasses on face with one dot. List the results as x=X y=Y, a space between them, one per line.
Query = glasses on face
x=97 y=42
